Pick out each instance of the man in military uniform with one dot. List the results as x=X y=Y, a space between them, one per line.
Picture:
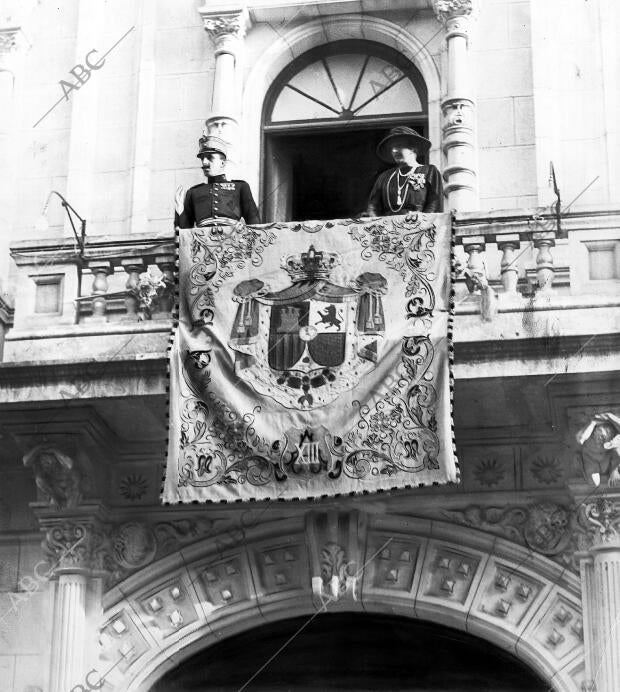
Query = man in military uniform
x=217 y=197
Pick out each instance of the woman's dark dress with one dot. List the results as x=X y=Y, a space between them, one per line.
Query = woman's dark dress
x=427 y=199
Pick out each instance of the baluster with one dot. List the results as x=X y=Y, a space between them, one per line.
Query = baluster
x=100 y=270
x=543 y=242
x=508 y=246
x=134 y=267
x=476 y=275
x=166 y=264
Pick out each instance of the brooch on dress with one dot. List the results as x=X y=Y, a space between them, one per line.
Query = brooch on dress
x=416 y=180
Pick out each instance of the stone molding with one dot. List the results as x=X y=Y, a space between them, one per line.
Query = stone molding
x=335 y=560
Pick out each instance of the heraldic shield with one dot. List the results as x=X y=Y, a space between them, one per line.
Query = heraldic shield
x=311 y=359
x=306 y=344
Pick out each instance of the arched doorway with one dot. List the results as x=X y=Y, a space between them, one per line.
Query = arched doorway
x=352 y=651
x=482 y=587
x=322 y=119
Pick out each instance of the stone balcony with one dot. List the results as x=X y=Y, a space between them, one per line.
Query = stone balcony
x=94 y=361
x=553 y=292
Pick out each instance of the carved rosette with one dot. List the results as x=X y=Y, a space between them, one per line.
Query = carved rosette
x=226 y=30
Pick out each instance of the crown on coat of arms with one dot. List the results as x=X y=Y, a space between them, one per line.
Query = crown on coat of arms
x=310 y=265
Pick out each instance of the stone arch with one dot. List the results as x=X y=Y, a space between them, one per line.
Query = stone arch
x=297 y=41
x=344 y=560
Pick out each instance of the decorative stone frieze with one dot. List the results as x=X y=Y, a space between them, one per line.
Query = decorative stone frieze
x=545 y=527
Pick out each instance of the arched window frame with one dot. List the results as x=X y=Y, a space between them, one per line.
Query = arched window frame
x=350 y=46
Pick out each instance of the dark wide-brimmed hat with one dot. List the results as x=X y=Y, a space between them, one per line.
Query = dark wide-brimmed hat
x=208 y=144
x=421 y=144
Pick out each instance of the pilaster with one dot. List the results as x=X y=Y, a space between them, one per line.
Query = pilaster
x=600 y=585
x=74 y=540
x=227 y=31
x=458 y=108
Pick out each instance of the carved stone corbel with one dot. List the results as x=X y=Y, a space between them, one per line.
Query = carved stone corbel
x=56 y=474
x=599 y=450
x=335 y=540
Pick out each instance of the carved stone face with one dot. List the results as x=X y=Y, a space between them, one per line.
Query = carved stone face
x=47 y=461
x=604 y=432
x=213 y=164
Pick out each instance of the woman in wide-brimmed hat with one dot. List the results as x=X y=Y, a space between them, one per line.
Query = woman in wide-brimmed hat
x=409 y=186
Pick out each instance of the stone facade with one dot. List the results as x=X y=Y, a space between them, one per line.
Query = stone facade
x=96 y=577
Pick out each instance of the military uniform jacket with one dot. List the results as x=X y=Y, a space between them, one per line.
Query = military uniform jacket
x=217 y=198
x=383 y=196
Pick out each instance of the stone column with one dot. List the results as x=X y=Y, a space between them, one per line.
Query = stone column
x=74 y=543
x=12 y=42
x=600 y=586
x=226 y=30
x=458 y=108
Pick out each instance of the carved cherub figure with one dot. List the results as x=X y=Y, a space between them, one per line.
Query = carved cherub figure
x=600 y=449
x=55 y=474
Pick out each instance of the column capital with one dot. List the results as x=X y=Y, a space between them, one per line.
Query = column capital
x=226 y=29
x=603 y=520
x=11 y=40
x=451 y=9
x=74 y=541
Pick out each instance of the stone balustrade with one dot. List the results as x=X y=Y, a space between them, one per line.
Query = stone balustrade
x=520 y=258
x=118 y=279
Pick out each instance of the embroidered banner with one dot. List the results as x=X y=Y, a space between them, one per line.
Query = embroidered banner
x=311 y=359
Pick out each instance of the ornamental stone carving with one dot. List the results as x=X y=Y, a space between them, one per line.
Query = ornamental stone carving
x=449 y=9
x=8 y=39
x=133 y=545
x=225 y=29
x=545 y=527
x=335 y=540
x=56 y=475
x=75 y=545
x=599 y=450
x=603 y=516
x=337 y=574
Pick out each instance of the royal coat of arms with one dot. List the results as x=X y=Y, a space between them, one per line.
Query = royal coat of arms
x=311 y=359
x=307 y=343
